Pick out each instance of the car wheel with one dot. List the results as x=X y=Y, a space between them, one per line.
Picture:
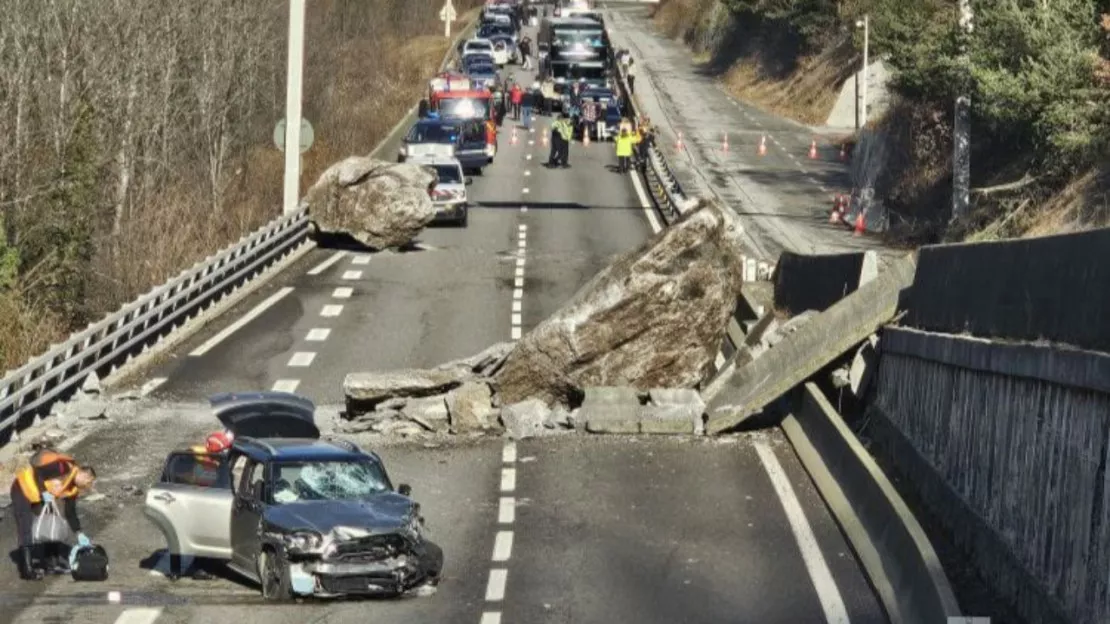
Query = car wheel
x=465 y=218
x=274 y=574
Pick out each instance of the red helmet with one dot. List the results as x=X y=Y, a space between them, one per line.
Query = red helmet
x=218 y=442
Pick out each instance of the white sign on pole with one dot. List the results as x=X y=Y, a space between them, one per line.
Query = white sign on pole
x=447 y=15
x=307 y=135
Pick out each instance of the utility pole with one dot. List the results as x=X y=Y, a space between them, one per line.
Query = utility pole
x=961 y=127
x=865 y=23
x=293 y=88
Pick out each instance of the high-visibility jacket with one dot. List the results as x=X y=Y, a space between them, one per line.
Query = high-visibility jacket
x=60 y=487
x=624 y=145
x=491 y=132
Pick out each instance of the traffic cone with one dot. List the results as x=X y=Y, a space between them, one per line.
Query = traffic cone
x=724 y=143
x=813 y=150
x=514 y=139
x=678 y=143
x=859 y=224
x=763 y=145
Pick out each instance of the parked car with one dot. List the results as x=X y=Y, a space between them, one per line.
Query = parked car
x=299 y=514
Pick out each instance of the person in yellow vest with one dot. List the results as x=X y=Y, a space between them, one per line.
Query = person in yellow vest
x=50 y=477
x=624 y=150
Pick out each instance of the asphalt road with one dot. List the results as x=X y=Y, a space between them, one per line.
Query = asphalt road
x=553 y=530
x=783 y=197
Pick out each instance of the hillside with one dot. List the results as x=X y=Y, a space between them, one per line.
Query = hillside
x=139 y=135
x=1038 y=76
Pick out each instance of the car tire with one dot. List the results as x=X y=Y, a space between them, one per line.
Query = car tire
x=465 y=218
x=274 y=576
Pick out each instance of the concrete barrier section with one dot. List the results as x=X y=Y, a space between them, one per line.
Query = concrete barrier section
x=800 y=354
x=1053 y=288
x=890 y=543
x=815 y=282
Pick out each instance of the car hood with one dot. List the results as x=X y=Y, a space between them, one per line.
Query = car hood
x=383 y=513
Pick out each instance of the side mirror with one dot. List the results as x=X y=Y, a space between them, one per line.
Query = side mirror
x=468 y=181
x=404 y=489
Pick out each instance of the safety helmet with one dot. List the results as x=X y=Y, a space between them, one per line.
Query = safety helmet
x=218 y=442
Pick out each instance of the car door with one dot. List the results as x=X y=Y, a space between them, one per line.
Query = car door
x=191 y=505
x=246 y=514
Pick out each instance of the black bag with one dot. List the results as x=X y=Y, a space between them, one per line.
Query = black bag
x=90 y=564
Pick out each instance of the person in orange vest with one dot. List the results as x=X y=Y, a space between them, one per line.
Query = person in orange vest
x=50 y=477
x=491 y=132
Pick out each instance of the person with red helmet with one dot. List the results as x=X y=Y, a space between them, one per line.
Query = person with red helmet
x=209 y=456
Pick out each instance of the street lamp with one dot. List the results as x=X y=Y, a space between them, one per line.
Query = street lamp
x=293 y=88
x=861 y=119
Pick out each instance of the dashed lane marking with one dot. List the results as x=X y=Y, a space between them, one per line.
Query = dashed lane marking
x=139 y=615
x=527 y=172
x=827 y=593
x=152 y=385
x=361 y=260
x=286 y=385
x=342 y=293
x=506 y=510
x=524 y=190
x=517 y=320
x=495 y=589
x=352 y=275
x=508 y=453
x=508 y=479
x=239 y=324
x=302 y=359
x=331 y=310
x=318 y=334
x=491 y=617
x=323 y=266
x=503 y=546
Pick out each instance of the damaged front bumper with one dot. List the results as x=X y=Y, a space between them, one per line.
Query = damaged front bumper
x=332 y=579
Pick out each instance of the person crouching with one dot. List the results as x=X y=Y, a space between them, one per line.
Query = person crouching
x=52 y=478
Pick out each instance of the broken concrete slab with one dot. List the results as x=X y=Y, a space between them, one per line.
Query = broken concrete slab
x=484 y=364
x=669 y=419
x=428 y=412
x=470 y=407
x=677 y=396
x=365 y=390
x=525 y=419
x=815 y=282
x=814 y=345
x=611 y=418
x=609 y=395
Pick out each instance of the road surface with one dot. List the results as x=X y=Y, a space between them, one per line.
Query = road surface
x=567 y=529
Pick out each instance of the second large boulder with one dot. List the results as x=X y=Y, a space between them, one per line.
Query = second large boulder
x=654 y=318
x=378 y=203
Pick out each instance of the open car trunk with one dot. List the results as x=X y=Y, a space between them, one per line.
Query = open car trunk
x=266 y=414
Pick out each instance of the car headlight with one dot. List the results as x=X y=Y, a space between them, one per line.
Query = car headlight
x=303 y=541
x=414 y=528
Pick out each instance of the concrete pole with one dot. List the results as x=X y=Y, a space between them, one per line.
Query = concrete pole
x=961 y=128
x=866 y=69
x=293 y=88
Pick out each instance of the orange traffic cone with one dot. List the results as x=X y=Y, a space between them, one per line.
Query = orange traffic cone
x=859 y=224
x=813 y=149
x=514 y=138
x=724 y=143
x=763 y=145
x=678 y=143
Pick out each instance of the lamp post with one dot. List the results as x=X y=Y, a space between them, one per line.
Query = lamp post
x=293 y=89
x=865 y=24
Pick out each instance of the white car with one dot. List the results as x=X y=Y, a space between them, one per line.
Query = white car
x=484 y=46
x=449 y=194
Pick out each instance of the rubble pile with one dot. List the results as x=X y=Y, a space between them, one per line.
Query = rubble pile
x=380 y=204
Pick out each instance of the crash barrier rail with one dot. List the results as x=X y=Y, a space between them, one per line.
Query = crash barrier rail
x=108 y=344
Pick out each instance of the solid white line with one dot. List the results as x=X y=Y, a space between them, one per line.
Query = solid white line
x=331 y=310
x=517 y=306
x=506 y=510
x=352 y=275
x=237 y=325
x=301 y=359
x=508 y=453
x=508 y=479
x=286 y=385
x=515 y=332
x=495 y=590
x=152 y=385
x=361 y=260
x=503 y=546
x=518 y=293
x=827 y=593
x=319 y=334
x=323 y=266
x=645 y=203
x=139 y=615
x=491 y=617
x=344 y=292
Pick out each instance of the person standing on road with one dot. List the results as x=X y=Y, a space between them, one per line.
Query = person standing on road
x=631 y=74
x=556 y=148
x=624 y=150
x=527 y=101
x=52 y=478
x=515 y=98
x=566 y=130
x=589 y=116
x=525 y=53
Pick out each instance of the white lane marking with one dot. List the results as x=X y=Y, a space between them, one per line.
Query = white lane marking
x=237 y=325
x=524 y=208
x=518 y=272
x=533 y=142
x=286 y=385
x=503 y=546
x=518 y=293
x=518 y=282
x=491 y=617
x=495 y=590
x=506 y=510
x=525 y=190
x=827 y=593
x=508 y=453
x=323 y=266
x=528 y=157
x=352 y=275
x=520 y=261
x=645 y=203
x=517 y=321
x=152 y=385
x=318 y=334
x=139 y=615
x=343 y=292
x=517 y=306
x=515 y=333
x=508 y=479
x=527 y=172
x=361 y=260
x=302 y=359
x=523 y=227
x=331 y=310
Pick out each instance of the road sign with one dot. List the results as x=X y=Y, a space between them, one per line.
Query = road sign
x=307 y=135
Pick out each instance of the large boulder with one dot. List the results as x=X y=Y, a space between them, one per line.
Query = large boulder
x=654 y=318
x=378 y=203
